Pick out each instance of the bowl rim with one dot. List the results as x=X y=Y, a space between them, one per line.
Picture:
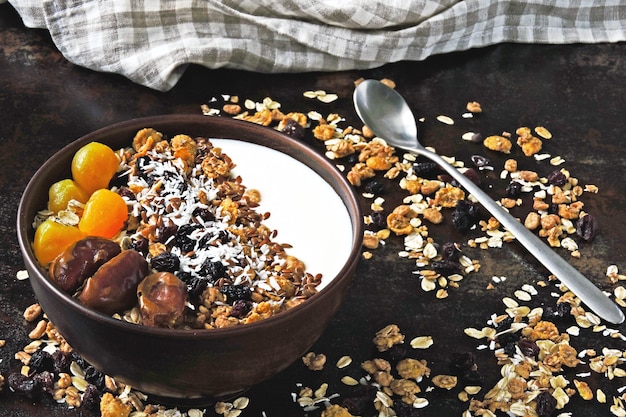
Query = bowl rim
x=352 y=206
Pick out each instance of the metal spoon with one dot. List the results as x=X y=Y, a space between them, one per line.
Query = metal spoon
x=386 y=113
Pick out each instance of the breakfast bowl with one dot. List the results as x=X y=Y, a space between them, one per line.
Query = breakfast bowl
x=312 y=208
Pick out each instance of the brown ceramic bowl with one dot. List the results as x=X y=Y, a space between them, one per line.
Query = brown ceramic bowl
x=199 y=364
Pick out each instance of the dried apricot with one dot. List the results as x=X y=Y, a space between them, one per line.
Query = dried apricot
x=61 y=192
x=93 y=166
x=52 y=238
x=104 y=215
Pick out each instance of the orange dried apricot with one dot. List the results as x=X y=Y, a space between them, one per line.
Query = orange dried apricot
x=52 y=238
x=93 y=166
x=61 y=192
x=104 y=215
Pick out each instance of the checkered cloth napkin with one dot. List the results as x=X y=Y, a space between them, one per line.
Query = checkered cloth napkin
x=152 y=41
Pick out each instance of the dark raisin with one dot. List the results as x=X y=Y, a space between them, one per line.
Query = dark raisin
x=509 y=349
x=195 y=287
x=355 y=405
x=94 y=376
x=61 y=361
x=241 y=308
x=450 y=251
x=462 y=221
x=504 y=325
x=480 y=161
x=553 y=208
x=557 y=178
x=470 y=208
x=293 y=129
x=446 y=267
x=44 y=381
x=587 y=227
x=375 y=187
x=165 y=232
x=513 y=189
x=528 y=348
x=75 y=357
x=22 y=384
x=396 y=353
x=91 y=398
x=40 y=361
x=379 y=219
x=425 y=168
x=213 y=270
x=204 y=213
x=561 y=311
x=141 y=245
x=507 y=338
x=165 y=262
x=546 y=404
x=236 y=292
x=182 y=240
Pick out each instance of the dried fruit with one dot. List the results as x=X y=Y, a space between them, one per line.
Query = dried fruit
x=104 y=215
x=80 y=261
x=162 y=298
x=93 y=166
x=52 y=238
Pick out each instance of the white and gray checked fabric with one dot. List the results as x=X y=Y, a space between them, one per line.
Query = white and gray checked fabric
x=152 y=41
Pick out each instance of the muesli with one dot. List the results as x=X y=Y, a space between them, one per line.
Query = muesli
x=207 y=258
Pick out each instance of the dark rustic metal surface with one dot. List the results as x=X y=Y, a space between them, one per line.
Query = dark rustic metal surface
x=577 y=91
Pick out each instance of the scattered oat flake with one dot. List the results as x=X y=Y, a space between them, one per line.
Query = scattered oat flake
x=22 y=275
x=422 y=342
x=344 y=361
x=445 y=120
x=543 y=132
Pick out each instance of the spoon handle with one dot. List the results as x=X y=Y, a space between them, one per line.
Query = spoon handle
x=591 y=295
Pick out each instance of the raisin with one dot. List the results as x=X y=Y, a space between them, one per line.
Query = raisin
x=126 y=192
x=553 y=208
x=513 y=189
x=446 y=267
x=561 y=311
x=509 y=349
x=204 y=213
x=213 y=270
x=165 y=232
x=22 y=384
x=40 y=361
x=94 y=377
x=480 y=161
x=196 y=287
x=471 y=208
x=236 y=292
x=182 y=240
x=165 y=262
x=506 y=338
x=546 y=404
x=403 y=409
x=91 y=398
x=587 y=227
x=425 y=168
x=450 y=251
x=293 y=129
x=379 y=219
x=375 y=187
x=141 y=245
x=462 y=221
x=504 y=325
x=61 y=361
x=557 y=178
x=44 y=381
x=528 y=348
x=241 y=308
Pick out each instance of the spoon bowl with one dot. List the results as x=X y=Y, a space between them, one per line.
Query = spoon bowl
x=388 y=115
